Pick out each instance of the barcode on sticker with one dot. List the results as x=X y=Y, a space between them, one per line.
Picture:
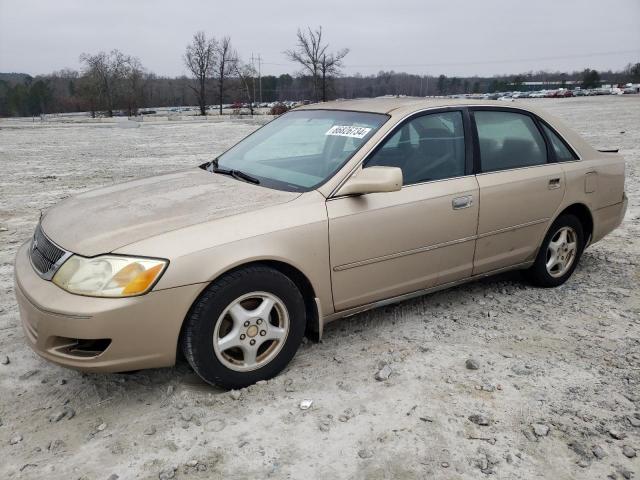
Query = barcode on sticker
x=346 y=131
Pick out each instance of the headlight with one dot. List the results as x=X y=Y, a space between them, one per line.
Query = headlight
x=109 y=275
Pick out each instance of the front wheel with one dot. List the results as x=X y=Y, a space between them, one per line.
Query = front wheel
x=246 y=327
x=559 y=254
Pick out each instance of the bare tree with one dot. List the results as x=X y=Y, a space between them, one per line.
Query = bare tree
x=632 y=72
x=133 y=86
x=108 y=71
x=89 y=93
x=200 y=59
x=247 y=73
x=226 y=65
x=330 y=66
x=316 y=61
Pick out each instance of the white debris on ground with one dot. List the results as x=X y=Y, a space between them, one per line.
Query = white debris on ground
x=494 y=377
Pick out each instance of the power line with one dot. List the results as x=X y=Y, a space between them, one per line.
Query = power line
x=484 y=62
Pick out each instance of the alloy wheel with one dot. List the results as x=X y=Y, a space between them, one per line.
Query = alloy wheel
x=251 y=331
x=562 y=251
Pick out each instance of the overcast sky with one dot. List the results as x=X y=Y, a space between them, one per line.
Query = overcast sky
x=454 y=37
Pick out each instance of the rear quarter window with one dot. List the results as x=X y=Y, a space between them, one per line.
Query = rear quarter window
x=560 y=148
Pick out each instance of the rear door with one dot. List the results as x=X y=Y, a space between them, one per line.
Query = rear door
x=383 y=245
x=521 y=187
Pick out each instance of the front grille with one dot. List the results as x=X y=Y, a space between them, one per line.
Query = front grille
x=45 y=255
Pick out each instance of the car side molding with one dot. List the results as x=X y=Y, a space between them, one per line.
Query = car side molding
x=408 y=296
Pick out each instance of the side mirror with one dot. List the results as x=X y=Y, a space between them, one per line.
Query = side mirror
x=373 y=180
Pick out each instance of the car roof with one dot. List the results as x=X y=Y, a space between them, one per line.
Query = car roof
x=388 y=105
x=400 y=107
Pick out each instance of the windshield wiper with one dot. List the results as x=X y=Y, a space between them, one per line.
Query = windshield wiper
x=244 y=176
x=238 y=174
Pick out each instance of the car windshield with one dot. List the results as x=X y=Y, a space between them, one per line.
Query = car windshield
x=301 y=150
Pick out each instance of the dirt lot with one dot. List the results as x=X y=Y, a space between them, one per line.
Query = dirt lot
x=557 y=383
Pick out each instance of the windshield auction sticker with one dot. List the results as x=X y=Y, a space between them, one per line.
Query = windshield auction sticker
x=346 y=131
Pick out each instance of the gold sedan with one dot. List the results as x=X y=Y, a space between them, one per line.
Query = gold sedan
x=329 y=210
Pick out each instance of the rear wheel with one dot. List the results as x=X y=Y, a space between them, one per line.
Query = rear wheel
x=246 y=327
x=559 y=254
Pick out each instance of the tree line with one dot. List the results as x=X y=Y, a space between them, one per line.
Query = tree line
x=111 y=83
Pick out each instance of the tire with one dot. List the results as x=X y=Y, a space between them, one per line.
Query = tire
x=233 y=338
x=539 y=273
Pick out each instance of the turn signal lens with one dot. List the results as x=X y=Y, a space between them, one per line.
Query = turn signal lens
x=142 y=281
x=109 y=275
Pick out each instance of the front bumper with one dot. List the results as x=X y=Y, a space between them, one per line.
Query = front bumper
x=137 y=332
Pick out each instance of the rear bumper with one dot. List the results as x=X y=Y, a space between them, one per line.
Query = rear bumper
x=609 y=218
x=137 y=332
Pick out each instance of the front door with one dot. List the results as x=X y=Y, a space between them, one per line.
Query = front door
x=387 y=244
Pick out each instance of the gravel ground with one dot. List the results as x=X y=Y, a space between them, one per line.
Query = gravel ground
x=491 y=378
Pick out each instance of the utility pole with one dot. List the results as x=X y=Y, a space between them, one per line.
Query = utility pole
x=253 y=67
x=260 y=75
x=259 y=60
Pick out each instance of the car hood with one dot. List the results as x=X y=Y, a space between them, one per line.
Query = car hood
x=103 y=220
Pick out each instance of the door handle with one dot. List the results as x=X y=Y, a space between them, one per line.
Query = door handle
x=554 y=183
x=462 y=202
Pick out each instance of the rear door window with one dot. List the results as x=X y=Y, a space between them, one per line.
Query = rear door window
x=508 y=140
